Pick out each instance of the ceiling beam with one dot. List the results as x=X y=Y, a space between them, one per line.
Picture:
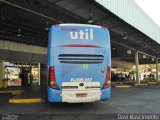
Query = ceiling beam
x=31 y=11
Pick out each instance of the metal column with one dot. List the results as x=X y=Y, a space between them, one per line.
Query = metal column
x=2 y=69
x=39 y=77
x=137 y=67
x=157 y=70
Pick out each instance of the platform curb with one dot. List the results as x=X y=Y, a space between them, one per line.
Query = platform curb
x=29 y=100
x=122 y=86
x=142 y=84
x=152 y=82
x=115 y=83
x=13 y=92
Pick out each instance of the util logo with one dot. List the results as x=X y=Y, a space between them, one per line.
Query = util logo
x=82 y=34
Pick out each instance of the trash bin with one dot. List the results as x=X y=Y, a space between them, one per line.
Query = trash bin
x=5 y=83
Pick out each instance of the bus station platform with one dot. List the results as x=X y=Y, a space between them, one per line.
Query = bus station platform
x=37 y=94
x=11 y=90
x=127 y=84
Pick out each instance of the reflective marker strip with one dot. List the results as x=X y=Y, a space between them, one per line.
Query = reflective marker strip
x=102 y=70
x=85 y=66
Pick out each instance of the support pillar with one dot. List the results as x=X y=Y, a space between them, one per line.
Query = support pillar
x=39 y=77
x=157 y=70
x=2 y=71
x=137 y=67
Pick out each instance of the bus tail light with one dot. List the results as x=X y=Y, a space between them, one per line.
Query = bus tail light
x=103 y=27
x=108 y=78
x=52 y=78
x=57 y=25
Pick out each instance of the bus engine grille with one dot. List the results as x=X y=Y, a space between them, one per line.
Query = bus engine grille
x=80 y=58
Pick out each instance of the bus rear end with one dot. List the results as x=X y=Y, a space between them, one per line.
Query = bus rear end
x=79 y=62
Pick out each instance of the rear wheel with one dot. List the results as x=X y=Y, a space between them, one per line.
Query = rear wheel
x=46 y=99
x=47 y=102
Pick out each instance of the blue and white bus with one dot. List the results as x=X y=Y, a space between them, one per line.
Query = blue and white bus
x=79 y=63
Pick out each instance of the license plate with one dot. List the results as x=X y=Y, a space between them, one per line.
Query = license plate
x=81 y=95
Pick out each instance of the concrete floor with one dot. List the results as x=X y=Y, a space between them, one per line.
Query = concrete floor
x=133 y=100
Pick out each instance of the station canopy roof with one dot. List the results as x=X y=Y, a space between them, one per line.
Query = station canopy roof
x=28 y=22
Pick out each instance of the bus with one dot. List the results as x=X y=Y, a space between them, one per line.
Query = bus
x=79 y=63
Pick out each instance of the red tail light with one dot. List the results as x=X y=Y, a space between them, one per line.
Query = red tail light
x=52 y=78
x=103 y=27
x=57 y=25
x=51 y=73
x=108 y=78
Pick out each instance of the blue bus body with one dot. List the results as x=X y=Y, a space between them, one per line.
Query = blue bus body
x=79 y=62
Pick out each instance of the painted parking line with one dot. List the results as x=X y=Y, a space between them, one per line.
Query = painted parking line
x=30 y=100
x=13 y=92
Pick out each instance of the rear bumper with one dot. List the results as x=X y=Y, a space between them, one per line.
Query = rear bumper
x=69 y=96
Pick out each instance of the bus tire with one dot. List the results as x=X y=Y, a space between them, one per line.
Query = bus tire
x=47 y=102
x=46 y=99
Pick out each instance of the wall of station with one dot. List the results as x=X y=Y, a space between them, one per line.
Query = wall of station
x=15 y=46
x=24 y=56
x=13 y=51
